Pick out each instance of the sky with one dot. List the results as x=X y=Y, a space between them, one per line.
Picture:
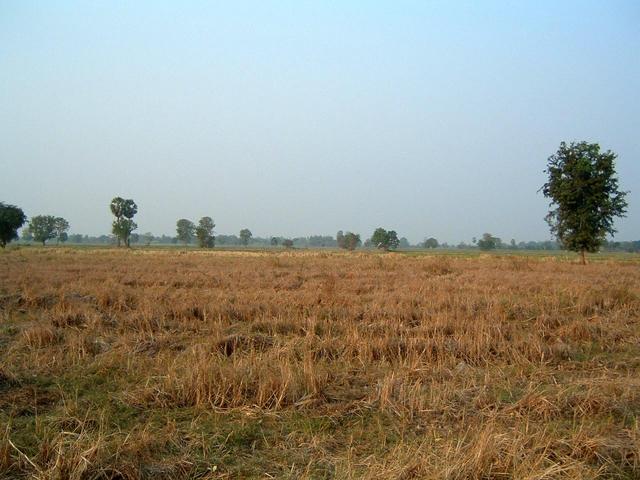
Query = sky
x=294 y=118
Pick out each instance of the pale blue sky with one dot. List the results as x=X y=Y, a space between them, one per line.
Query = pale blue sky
x=297 y=118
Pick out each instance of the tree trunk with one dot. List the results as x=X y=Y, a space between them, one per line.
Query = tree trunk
x=584 y=260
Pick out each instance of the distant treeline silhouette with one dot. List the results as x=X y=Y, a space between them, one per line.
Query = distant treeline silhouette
x=327 y=241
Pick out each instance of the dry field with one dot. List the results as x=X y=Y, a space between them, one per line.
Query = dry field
x=143 y=364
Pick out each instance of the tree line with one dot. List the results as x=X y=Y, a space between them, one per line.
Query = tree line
x=582 y=187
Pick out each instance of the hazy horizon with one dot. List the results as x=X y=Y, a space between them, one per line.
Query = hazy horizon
x=299 y=118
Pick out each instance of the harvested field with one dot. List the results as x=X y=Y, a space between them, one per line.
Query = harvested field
x=165 y=364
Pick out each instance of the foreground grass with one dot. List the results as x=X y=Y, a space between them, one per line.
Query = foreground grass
x=161 y=364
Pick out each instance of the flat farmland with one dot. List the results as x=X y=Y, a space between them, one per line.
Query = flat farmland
x=151 y=364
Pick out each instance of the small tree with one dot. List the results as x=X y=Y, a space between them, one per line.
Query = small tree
x=430 y=243
x=185 y=230
x=61 y=228
x=385 y=240
x=43 y=228
x=245 y=236
x=11 y=219
x=274 y=241
x=147 y=238
x=585 y=199
x=287 y=243
x=123 y=225
x=488 y=242
x=204 y=232
x=349 y=241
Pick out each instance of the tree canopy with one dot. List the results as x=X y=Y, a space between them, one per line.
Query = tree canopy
x=385 y=240
x=185 y=230
x=348 y=241
x=43 y=228
x=488 y=242
x=204 y=232
x=431 y=243
x=585 y=198
x=245 y=236
x=124 y=211
x=61 y=229
x=11 y=219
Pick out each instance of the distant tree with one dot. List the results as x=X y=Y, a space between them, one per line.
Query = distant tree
x=404 y=243
x=123 y=225
x=392 y=240
x=76 y=238
x=585 y=199
x=340 y=239
x=11 y=219
x=379 y=238
x=43 y=228
x=513 y=245
x=185 y=230
x=61 y=228
x=134 y=238
x=431 y=243
x=287 y=243
x=228 y=240
x=385 y=240
x=204 y=233
x=349 y=241
x=488 y=242
x=147 y=238
x=245 y=236
x=274 y=241
x=25 y=234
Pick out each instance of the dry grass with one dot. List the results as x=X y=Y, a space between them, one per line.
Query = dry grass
x=139 y=364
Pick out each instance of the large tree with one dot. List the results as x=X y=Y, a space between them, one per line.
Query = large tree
x=43 y=228
x=585 y=199
x=204 y=233
x=245 y=236
x=385 y=239
x=11 y=219
x=185 y=230
x=124 y=211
